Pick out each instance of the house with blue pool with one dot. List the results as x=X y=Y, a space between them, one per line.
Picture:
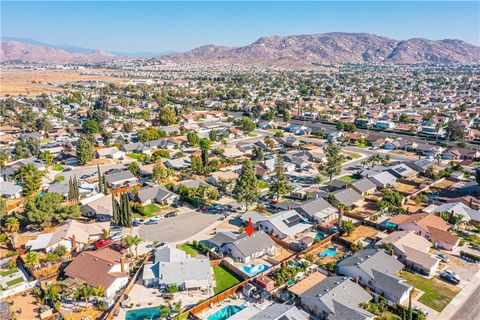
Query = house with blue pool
x=172 y=266
x=241 y=247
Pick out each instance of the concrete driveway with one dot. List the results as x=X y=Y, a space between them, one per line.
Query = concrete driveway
x=177 y=228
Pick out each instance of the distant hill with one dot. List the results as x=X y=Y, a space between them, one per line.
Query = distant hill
x=304 y=50
x=298 y=51
x=19 y=51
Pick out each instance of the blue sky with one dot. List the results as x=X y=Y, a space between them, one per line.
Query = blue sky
x=164 y=26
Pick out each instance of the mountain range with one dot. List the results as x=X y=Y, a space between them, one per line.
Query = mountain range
x=281 y=51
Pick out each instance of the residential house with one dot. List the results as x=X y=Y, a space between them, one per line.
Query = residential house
x=73 y=235
x=336 y=298
x=218 y=178
x=376 y=270
x=275 y=311
x=10 y=190
x=243 y=248
x=384 y=180
x=98 y=206
x=112 y=153
x=412 y=250
x=347 y=197
x=121 y=179
x=285 y=224
x=104 y=267
x=318 y=210
x=178 y=164
x=155 y=194
x=171 y=266
x=429 y=226
x=363 y=186
x=402 y=171
x=468 y=214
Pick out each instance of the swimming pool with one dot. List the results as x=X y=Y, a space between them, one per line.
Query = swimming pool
x=390 y=225
x=328 y=253
x=254 y=268
x=321 y=235
x=225 y=313
x=145 y=313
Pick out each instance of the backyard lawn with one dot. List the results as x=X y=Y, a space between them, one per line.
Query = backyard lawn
x=188 y=248
x=437 y=295
x=473 y=239
x=14 y=282
x=347 y=179
x=224 y=279
x=8 y=272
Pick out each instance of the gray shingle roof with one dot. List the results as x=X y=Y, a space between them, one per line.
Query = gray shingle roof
x=347 y=197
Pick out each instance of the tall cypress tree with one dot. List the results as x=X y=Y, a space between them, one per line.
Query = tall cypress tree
x=70 y=189
x=75 y=188
x=105 y=187
x=115 y=211
x=100 y=181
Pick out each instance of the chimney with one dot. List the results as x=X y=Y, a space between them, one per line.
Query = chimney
x=122 y=264
x=74 y=243
x=356 y=280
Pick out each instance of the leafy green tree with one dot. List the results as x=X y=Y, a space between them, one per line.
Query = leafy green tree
x=115 y=211
x=43 y=210
x=280 y=185
x=348 y=227
x=334 y=157
x=134 y=168
x=212 y=135
x=205 y=145
x=246 y=190
x=33 y=145
x=21 y=150
x=31 y=259
x=193 y=138
x=197 y=163
x=455 y=131
x=160 y=172
x=91 y=126
x=248 y=125
x=3 y=207
x=85 y=150
x=30 y=177
x=133 y=241
x=47 y=157
x=167 y=116
x=287 y=116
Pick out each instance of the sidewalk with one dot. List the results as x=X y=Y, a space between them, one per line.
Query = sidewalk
x=459 y=299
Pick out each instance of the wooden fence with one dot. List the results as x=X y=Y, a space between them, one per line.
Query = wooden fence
x=285 y=244
x=129 y=287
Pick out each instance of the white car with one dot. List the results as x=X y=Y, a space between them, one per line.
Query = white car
x=116 y=236
x=156 y=218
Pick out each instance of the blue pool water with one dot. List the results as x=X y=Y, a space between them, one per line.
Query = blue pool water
x=327 y=253
x=145 y=313
x=225 y=313
x=390 y=225
x=254 y=268
x=321 y=235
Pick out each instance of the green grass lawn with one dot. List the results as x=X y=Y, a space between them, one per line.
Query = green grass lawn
x=147 y=211
x=347 y=179
x=8 y=272
x=188 y=248
x=436 y=296
x=387 y=315
x=14 y=281
x=475 y=164
x=225 y=279
x=473 y=239
x=58 y=167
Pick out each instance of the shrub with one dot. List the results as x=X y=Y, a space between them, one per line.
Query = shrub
x=470 y=255
x=50 y=257
x=60 y=250
x=172 y=288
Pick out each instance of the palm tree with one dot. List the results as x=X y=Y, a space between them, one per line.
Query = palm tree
x=12 y=227
x=133 y=241
x=98 y=291
x=84 y=292
x=52 y=293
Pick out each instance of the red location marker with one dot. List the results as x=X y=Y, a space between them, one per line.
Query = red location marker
x=249 y=227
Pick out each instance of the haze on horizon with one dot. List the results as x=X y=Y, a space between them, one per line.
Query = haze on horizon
x=181 y=26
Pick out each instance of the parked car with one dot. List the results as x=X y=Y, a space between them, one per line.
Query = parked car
x=116 y=236
x=101 y=243
x=115 y=228
x=156 y=218
x=171 y=214
x=67 y=169
x=151 y=222
x=450 y=276
x=443 y=257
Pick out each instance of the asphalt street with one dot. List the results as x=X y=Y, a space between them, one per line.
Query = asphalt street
x=183 y=226
x=470 y=310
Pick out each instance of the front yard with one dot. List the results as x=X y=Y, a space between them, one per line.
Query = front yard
x=436 y=293
x=188 y=249
x=224 y=278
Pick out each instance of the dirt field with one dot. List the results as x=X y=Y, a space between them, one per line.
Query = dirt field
x=361 y=232
x=34 y=82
